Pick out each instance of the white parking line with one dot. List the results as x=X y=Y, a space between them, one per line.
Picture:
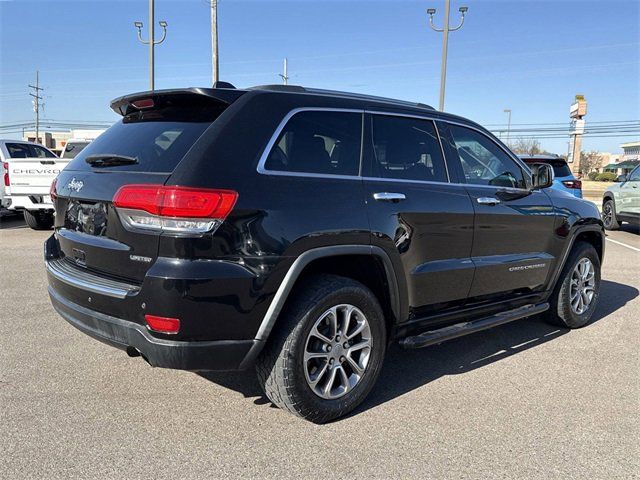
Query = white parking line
x=623 y=244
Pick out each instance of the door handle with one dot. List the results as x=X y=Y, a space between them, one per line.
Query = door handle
x=389 y=196
x=488 y=201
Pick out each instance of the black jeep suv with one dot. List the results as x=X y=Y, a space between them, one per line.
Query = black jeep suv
x=301 y=231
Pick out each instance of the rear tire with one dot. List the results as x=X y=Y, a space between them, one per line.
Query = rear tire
x=38 y=220
x=575 y=296
x=609 y=218
x=296 y=366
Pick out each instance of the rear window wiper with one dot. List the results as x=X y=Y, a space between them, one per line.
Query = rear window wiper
x=110 y=160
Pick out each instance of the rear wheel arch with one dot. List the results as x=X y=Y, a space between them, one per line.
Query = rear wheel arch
x=366 y=264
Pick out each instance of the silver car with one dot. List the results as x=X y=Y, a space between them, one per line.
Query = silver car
x=621 y=202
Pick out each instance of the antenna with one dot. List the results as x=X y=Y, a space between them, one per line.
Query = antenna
x=284 y=75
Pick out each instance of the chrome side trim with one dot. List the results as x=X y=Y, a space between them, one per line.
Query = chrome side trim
x=265 y=153
x=88 y=281
x=389 y=196
x=426 y=116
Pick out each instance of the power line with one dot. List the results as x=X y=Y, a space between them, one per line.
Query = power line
x=36 y=103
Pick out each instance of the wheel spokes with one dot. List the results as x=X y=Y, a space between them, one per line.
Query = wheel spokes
x=314 y=381
x=332 y=378
x=333 y=366
x=355 y=366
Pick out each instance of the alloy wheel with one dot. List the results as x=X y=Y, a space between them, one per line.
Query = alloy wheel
x=583 y=286
x=337 y=351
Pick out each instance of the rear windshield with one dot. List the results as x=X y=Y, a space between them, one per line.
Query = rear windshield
x=560 y=167
x=73 y=148
x=157 y=140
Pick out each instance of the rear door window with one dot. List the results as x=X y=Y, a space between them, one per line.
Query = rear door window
x=407 y=149
x=320 y=142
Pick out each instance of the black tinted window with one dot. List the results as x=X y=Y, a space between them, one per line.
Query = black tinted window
x=18 y=150
x=560 y=168
x=407 y=148
x=157 y=145
x=40 y=152
x=318 y=142
x=635 y=175
x=484 y=162
x=25 y=150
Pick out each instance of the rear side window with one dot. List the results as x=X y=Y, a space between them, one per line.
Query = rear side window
x=407 y=149
x=484 y=162
x=318 y=142
x=157 y=139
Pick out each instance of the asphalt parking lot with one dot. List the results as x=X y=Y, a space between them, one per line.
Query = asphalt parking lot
x=525 y=400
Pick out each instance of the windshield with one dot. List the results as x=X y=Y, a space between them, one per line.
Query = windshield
x=73 y=148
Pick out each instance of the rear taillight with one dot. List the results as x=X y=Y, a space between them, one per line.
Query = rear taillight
x=5 y=165
x=163 y=324
x=52 y=190
x=572 y=183
x=173 y=209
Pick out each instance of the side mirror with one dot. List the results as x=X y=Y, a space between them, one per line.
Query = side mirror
x=541 y=174
x=621 y=178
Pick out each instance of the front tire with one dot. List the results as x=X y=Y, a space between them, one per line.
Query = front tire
x=38 y=220
x=575 y=296
x=326 y=351
x=609 y=218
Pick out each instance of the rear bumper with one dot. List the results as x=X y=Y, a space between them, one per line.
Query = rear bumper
x=182 y=355
x=30 y=202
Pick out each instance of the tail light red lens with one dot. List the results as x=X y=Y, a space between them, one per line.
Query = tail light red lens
x=52 y=190
x=163 y=324
x=572 y=184
x=177 y=209
x=5 y=165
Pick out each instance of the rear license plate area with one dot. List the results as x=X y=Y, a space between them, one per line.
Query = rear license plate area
x=85 y=217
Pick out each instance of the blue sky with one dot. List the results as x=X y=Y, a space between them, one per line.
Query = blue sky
x=529 y=56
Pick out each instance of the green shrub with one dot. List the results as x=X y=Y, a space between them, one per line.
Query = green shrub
x=606 y=177
x=593 y=175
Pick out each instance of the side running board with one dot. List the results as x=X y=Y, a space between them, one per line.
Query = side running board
x=460 y=329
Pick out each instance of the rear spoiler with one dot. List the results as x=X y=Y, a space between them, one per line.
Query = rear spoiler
x=125 y=105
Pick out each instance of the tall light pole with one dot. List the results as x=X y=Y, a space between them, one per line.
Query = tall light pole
x=508 y=111
x=445 y=41
x=152 y=42
x=215 y=66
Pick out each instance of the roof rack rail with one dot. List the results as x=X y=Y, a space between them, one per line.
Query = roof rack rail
x=338 y=93
x=364 y=96
x=280 y=88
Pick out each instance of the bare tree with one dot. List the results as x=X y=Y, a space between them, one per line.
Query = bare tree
x=526 y=146
x=590 y=161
